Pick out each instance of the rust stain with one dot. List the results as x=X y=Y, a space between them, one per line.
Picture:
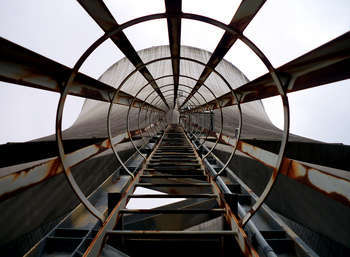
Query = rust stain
x=339 y=198
x=285 y=166
x=300 y=173
x=48 y=169
x=294 y=170
x=135 y=133
x=108 y=143
x=19 y=174
x=274 y=174
x=173 y=191
x=53 y=168
x=241 y=237
x=92 y=93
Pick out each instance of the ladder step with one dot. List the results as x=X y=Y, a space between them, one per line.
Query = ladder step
x=190 y=153
x=283 y=245
x=177 y=170
x=146 y=233
x=174 y=176
x=174 y=153
x=174 y=211
x=173 y=184
x=273 y=234
x=189 y=171
x=173 y=196
x=172 y=156
x=175 y=146
x=173 y=164
x=171 y=147
x=172 y=160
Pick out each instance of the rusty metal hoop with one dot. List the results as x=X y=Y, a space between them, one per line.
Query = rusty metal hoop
x=167 y=85
x=161 y=88
x=148 y=63
x=130 y=23
x=215 y=98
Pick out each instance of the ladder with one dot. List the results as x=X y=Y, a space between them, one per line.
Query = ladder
x=174 y=168
x=201 y=222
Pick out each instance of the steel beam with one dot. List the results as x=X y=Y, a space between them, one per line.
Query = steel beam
x=102 y=16
x=173 y=196
x=174 y=211
x=325 y=64
x=243 y=16
x=313 y=176
x=21 y=66
x=331 y=185
x=187 y=234
x=23 y=178
x=173 y=8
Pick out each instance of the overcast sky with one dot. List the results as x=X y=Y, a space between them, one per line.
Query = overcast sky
x=61 y=30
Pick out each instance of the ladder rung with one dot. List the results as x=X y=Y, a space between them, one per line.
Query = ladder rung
x=175 y=146
x=174 y=163
x=171 y=233
x=185 y=158
x=174 y=176
x=163 y=169
x=174 y=211
x=174 y=170
x=174 y=158
x=174 y=153
x=173 y=196
x=172 y=184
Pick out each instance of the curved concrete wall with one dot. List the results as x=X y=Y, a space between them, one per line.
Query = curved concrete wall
x=92 y=121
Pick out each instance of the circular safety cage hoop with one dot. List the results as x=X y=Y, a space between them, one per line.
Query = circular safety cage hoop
x=151 y=112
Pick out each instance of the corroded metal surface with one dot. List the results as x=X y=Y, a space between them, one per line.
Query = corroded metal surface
x=244 y=14
x=21 y=66
x=329 y=184
x=174 y=30
x=22 y=179
x=326 y=64
x=100 y=13
x=172 y=139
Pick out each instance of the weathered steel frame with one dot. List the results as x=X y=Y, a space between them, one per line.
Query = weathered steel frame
x=174 y=31
x=96 y=245
x=300 y=171
x=221 y=114
x=117 y=30
x=181 y=58
x=138 y=118
x=240 y=235
x=21 y=66
x=244 y=14
x=19 y=179
x=341 y=63
x=102 y=16
x=198 y=103
x=325 y=64
x=128 y=119
x=187 y=92
x=165 y=76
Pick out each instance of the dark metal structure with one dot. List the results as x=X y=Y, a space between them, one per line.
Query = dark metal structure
x=241 y=183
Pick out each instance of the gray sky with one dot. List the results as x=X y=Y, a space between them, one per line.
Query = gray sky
x=61 y=30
